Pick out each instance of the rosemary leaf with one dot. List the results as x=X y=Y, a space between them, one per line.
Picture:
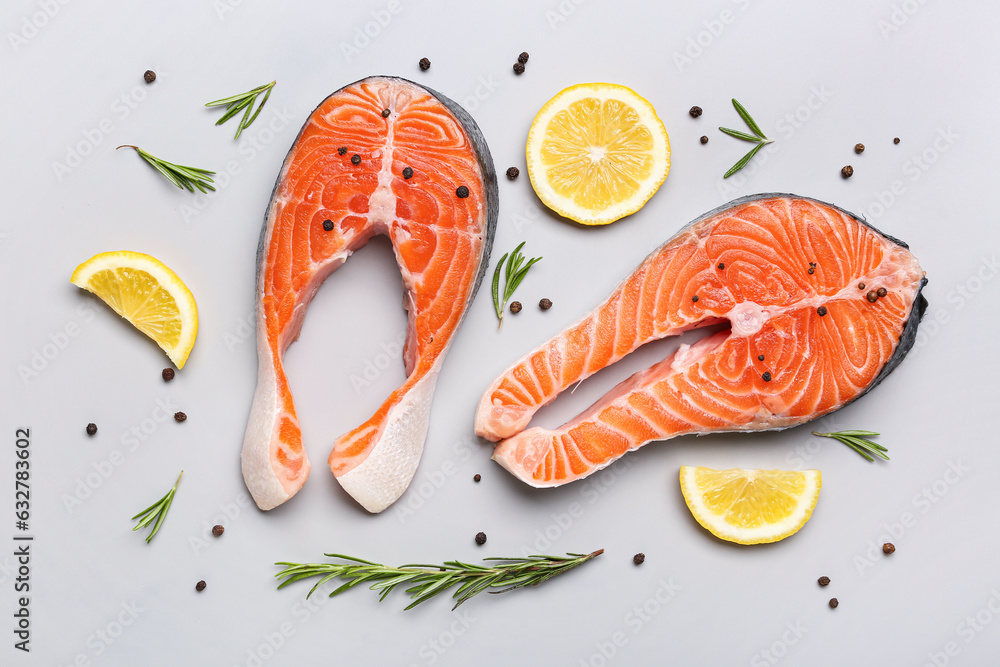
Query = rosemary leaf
x=181 y=176
x=740 y=135
x=748 y=119
x=859 y=442
x=496 y=289
x=743 y=161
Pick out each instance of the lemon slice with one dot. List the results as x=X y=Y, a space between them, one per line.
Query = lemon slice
x=597 y=152
x=750 y=506
x=145 y=292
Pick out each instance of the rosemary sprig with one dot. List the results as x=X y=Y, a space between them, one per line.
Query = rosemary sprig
x=426 y=581
x=859 y=442
x=757 y=137
x=243 y=102
x=157 y=511
x=182 y=177
x=515 y=273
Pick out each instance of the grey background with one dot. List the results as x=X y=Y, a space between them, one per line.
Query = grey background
x=818 y=79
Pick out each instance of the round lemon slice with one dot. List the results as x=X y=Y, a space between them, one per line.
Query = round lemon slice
x=597 y=152
x=145 y=292
x=750 y=506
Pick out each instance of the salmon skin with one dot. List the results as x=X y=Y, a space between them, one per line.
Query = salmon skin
x=380 y=156
x=797 y=280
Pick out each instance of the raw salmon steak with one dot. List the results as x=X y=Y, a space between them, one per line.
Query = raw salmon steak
x=820 y=306
x=380 y=156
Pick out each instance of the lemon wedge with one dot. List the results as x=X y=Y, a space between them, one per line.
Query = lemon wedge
x=145 y=292
x=750 y=506
x=597 y=152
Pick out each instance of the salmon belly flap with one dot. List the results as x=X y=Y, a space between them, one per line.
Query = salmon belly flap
x=820 y=308
x=380 y=156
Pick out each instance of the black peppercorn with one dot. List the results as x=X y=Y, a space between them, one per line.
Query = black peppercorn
x=355 y=159
x=895 y=140
x=847 y=171
x=342 y=150
x=200 y=586
x=425 y=64
x=180 y=416
x=821 y=311
x=513 y=173
x=704 y=139
x=476 y=477
x=859 y=148
x=888 y=548
x=695 y=298
x=480 y=538
x=695 y=112
x=872 y=296
x=824 y=581
x=328 y=225
x=766 y=377
x=518 y=68
x=639 y=558
x=218 y=530
x=523 y=58
x=167 y=374
x=833 y=603
x=149 y=76
x=91 y=428
x=760 y=357
x=861 y=285
x=462 y=192
x=515 y=307
x=721 y=266
x=811 y=270
x=881 y=291
x=385 y=113
x=407 y=172
x=544 y=304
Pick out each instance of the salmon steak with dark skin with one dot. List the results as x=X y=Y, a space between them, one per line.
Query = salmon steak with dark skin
x=820 y=307
x=380 y=156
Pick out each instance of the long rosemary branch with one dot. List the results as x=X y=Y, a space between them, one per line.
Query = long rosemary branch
x=426 y=581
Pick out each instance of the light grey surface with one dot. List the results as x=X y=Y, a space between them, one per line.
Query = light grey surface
x=818 y=79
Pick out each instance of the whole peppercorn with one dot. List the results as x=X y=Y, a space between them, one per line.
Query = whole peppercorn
x=355 y=159
x=91 y=428
x=480 y=538
x=149 y=76
x=218 y=530
x=881 y=291
x=328 y=225
x=721 y=266
x=476 y=477
x=639 y=558
x=861 y=285
x=167 y=374
x=695 y=112
x=859 y=148
x=544 y=304
x=847 y=171
x=823 y=581
x=695 y=298
x=895 y=140
x=342 y=150
x=766 y=377
x=872 y=296
x=821 y=311
x=704 y=139
x=760 y=357
x=515 y=307
x=523 y=58
x=513 y=173
x=425 y=64
x=834 y=602
x=518 y=68
x=462 y=192
x=407 y=173
x=200 y=586
x=180 y=416
x=888 y=548
x=385 y=113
